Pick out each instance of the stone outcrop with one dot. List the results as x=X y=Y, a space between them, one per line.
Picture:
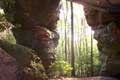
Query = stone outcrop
x=108 y=45
x=107 y=30
x=8 y=67
x=35 y=26
x=35 y=23
x=30 y=65
x=42 y=40
x=18 y=62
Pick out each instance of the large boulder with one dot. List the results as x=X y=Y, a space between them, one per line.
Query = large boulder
x=8 y=67
x=30 y=64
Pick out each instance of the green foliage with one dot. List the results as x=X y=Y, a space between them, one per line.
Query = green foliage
x=10 y=38
x=2 y=17
x=7 y=35
x=61 y=68
x=2 y=28
x=36 y=70
x=5 y=32
x=9 y=8
x=9 y=3
x=87 y=62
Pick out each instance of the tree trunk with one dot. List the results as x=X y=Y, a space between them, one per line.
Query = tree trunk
x=72 y=40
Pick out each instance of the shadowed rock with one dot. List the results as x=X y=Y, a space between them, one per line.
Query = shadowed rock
x=30 y=64
x=8 y=66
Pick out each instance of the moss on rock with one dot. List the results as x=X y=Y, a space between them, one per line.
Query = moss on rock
x=30 y=63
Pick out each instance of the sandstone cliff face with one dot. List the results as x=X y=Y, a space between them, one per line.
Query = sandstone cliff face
x=107 y=30
x=33 y=20
x=38 y=17
x=38 y=27
x=8 y=67
x=107 y=33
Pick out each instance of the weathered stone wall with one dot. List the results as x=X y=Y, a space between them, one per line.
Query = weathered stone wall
x=28 y=64
x=8 y=67
x=18 y=62
x=35 y=26
x=109 y=47
x=107 y=30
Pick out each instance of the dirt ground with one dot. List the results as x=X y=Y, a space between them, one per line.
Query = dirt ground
x=89 y=78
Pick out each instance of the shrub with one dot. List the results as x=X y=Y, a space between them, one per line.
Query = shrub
x=61 y=68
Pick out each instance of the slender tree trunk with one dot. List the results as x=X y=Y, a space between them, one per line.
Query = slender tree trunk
x=72 y=41
x=92 y=66
x=66 y=55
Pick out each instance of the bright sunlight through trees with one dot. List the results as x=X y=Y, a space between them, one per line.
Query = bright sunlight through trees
x=86 y=59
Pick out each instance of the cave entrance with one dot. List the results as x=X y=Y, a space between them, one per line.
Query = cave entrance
x=76 y=44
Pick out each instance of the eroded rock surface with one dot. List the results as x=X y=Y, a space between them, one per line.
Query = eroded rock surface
x=105 y=21
x=8 y=67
